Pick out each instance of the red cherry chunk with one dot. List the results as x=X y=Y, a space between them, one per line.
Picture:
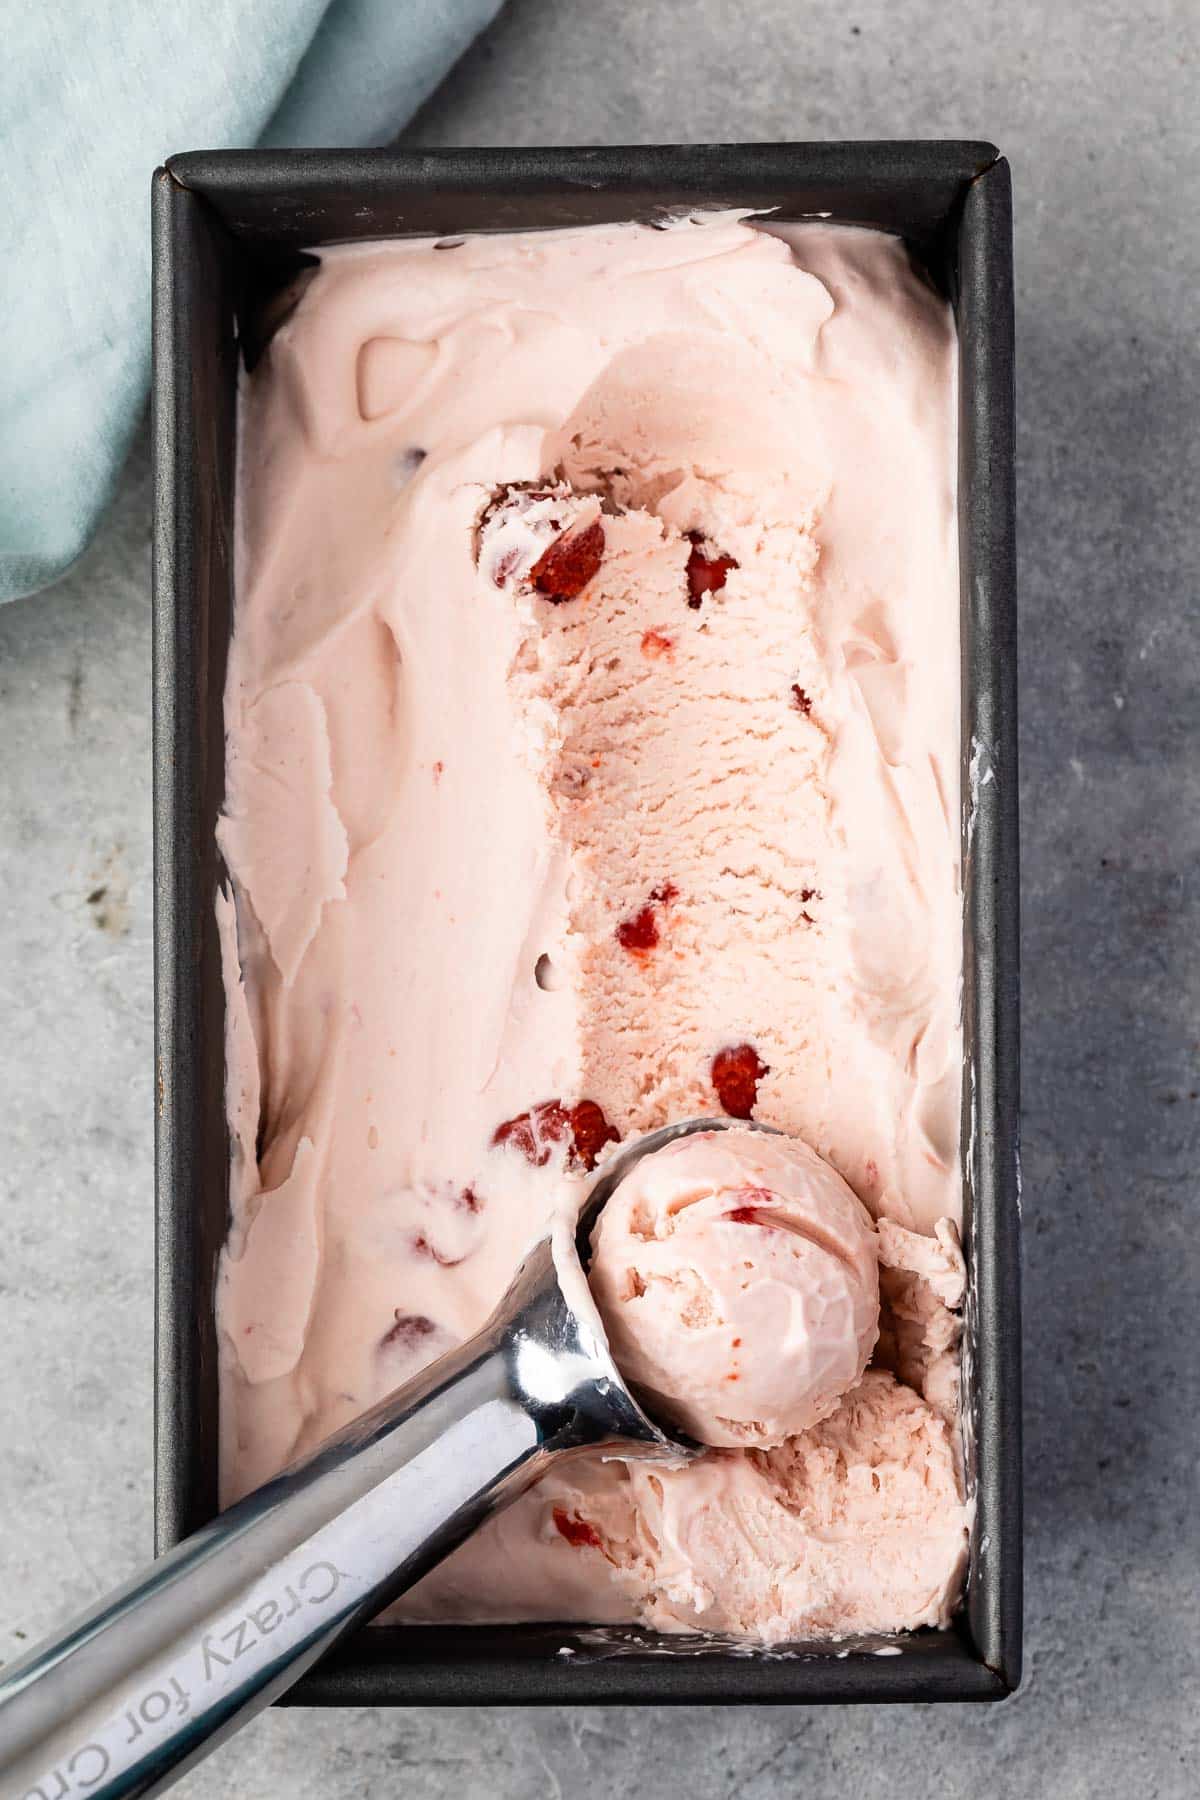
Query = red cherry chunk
x=590 y=1131
x=640 y=933
x=577 y=1531
x=564 y=570
x=801 y=700
x=705 y=574
x=536 y=1132
x=736 y=1073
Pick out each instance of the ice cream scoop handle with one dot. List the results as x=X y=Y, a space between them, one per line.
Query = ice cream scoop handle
x=152 y=1678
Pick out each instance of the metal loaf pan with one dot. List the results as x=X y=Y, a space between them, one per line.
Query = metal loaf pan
x=230 y=229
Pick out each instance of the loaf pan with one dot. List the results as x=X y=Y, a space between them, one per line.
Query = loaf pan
x=230 y=232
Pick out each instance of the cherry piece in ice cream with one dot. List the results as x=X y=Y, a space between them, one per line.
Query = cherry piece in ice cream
x=639 y=934
x=590 y=1131
x=577 y=1531
x=736 y=1073
x=564 y=570
x=536 y=1132
x=705 y=574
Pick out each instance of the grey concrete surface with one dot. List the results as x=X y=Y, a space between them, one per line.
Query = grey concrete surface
x=1097 y=106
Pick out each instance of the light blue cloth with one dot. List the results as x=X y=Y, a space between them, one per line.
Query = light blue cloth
x=92 y=98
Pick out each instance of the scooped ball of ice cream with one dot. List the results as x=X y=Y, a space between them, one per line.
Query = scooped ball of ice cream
x=737 y=1277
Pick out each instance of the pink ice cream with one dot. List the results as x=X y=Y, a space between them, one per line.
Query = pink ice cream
x=737 y=1278
x=593 y=754
x=856 y=1525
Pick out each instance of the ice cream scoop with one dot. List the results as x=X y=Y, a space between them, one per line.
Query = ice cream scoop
x=737 y=1276
x=141 y=1686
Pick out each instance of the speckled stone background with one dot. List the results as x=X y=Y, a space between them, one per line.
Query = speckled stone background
x=1097 y=103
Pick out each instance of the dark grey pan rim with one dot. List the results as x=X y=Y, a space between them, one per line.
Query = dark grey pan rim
x=228 y=229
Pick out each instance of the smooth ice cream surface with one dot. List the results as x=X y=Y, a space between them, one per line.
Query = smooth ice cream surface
x=592 y=716
x=737 y=1278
